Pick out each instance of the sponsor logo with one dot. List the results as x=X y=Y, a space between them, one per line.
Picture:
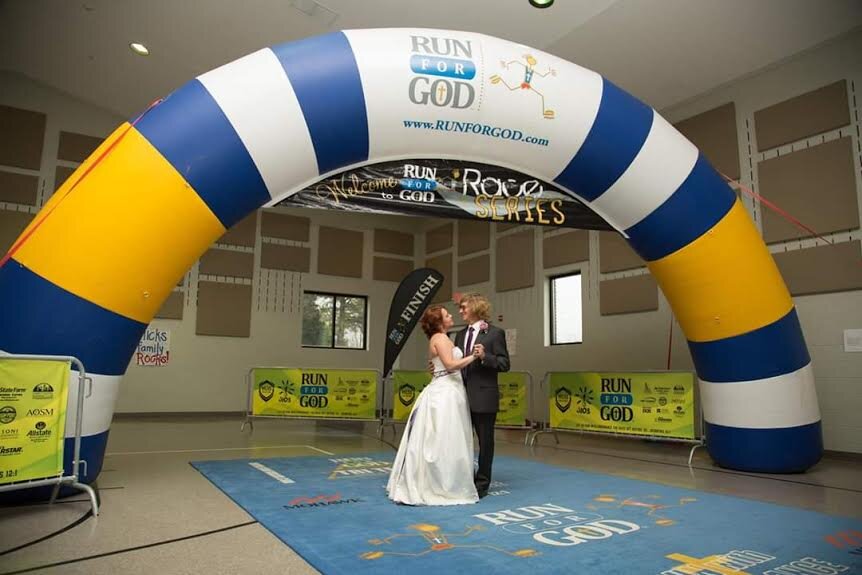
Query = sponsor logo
x=563 y=399
x=584 y=396
x=39 y=433
x=7 y=414
x=678 y=389
x=11 y=450
x=40 y=412
x=319 y=501
x=43 y=391
x=662 y=401
x=266 y=390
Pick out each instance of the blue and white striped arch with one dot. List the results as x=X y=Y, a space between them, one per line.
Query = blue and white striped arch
x=82 y=282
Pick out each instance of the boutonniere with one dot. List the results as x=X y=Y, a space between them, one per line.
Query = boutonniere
x=483 y=327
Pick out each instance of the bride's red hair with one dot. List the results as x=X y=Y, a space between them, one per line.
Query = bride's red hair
x=432 y=320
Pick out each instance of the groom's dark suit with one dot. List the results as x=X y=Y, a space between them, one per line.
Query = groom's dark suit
x=480 y=380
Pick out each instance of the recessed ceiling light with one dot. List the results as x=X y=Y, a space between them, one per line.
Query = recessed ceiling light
x=139 y=49
x=541 y=3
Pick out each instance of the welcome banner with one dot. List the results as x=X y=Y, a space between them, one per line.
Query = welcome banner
x=315 y=393
x=637 y=403
x=33 y=395
x=449 y=189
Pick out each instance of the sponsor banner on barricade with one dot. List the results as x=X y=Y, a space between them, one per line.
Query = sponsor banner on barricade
x=407 y=385
x=314 y=393
x=513 y=398
x=33 y=395
x=637 y=403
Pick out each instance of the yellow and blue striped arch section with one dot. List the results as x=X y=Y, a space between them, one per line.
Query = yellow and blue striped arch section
x=95 y=265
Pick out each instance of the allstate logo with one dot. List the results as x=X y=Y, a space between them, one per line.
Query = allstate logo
x=563 y=399
x=445 y=68
x=266 y=390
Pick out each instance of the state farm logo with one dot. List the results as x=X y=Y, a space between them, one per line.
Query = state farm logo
x=319 y=501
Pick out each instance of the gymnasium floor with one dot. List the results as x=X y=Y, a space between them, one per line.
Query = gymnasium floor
x=160 y=515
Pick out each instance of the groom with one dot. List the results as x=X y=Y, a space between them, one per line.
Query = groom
x=488 y=342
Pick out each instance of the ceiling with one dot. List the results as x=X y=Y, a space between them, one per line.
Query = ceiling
x=662 y=51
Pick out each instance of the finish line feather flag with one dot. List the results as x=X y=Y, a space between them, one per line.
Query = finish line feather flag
x=411 y=299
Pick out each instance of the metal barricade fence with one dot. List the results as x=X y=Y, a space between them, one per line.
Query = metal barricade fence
x=249 y=410
x=388 y=420
x=61 y=479
x=544 y=426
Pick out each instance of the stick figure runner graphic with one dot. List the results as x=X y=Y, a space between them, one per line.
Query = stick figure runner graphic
x=526 y=84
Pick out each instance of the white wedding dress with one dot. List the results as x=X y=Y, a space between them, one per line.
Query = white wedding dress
x=434 y=464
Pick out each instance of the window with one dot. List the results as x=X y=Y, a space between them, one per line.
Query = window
x=566 y=312
x=334 y=321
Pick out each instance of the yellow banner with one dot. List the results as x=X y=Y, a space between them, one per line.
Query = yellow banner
x=407 y=387
x=513 y=398
x=315 y=393
x=636 y=403
x=33 y=396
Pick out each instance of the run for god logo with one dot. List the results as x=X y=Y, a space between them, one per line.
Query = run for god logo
x=444 y=69
x=558 y=526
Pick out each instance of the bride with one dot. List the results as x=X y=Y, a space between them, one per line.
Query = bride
x=434 y=464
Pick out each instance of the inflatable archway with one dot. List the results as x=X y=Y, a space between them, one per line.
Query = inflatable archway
x=95 y=265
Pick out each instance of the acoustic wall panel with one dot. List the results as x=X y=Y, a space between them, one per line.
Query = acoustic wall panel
x=474 y=270
x=628 y=295
x=801 y=117
x=339 y=252
x=11 y=226
x=61 y=174
x=443 y=264
x=615 y=254
x=393 y=242
x=284 y=226
x=173 y=306
x=22 y=135
x=823 y=269
x=216 y=262
x=76 y=147
x=391 y=269
x=289 y=258
x=566 y=248
x=714 y=133
x=243 y=233
x=515 y=261
x=438 y=239
x=19 y=188
x=223 y=309
x=817 y=185
x=473 y=236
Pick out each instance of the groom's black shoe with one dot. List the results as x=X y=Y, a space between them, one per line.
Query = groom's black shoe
x=482 y=493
